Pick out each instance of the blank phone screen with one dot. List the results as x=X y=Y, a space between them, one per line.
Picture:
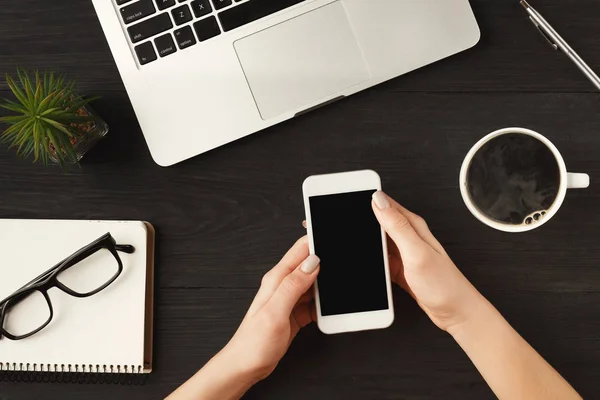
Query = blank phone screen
x=347 y=239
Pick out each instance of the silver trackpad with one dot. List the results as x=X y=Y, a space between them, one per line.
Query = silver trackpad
x=293 y=65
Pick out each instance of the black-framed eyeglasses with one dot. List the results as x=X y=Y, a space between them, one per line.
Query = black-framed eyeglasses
x=86 y=272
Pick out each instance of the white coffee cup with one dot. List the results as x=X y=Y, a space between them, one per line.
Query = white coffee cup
x=567 y=181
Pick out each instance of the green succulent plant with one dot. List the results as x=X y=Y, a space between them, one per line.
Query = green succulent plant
x=50 y=118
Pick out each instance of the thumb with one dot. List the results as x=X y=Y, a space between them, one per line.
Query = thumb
x=396 y=225
x=294 y=286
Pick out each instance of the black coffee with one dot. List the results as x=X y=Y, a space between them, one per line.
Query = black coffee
x=514 y=179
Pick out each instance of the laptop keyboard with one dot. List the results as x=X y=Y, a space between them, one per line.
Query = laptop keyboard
x=149 y=22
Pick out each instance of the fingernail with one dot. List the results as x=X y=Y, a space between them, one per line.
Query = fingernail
x=310 y=264
x=381 y=200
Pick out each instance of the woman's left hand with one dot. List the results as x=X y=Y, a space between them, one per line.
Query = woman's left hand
x=283 y=305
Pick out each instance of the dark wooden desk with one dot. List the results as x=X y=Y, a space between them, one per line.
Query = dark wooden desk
x=224 y=218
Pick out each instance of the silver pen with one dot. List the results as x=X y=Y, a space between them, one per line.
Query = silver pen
x=558 y=42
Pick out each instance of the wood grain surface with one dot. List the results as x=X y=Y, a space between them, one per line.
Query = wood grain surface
x=224 y=218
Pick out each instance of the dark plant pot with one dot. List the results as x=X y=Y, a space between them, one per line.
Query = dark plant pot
x=97 y=131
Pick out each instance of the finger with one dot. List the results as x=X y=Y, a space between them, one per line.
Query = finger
x=288 y=263
x=313 y=311
x=307 y=297
x=420 y=226
x=397 y=272
x=272 y=279
x=304 y=224
x=399 y=278
x=294 y=286
x=396 y=267
x=392 y=248
x=396 y=224
x=302 y=315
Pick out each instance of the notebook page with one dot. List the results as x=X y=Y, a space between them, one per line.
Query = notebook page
x=106 y=329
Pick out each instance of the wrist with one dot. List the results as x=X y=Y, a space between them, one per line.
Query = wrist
x=478 y=312
x=237 y=368
x=222 y=378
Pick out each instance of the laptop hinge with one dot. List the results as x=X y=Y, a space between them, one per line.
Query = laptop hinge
x=319 y=105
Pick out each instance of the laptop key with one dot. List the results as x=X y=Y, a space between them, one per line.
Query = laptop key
x=201 y=8
x=163 y=4
x=145 y=53
x=181 y=15
x=251 y=11
x=137 y=10
x=221 y=4
x=165 y=45
x=185 y=37
x=150 y=27
x=207 y=28
x=121 y=2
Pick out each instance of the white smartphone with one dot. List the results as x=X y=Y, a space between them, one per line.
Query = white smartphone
x=353 y=291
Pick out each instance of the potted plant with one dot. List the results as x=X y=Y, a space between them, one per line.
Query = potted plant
x=52 y=121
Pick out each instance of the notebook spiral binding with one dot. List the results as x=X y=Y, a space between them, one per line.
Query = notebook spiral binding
x=69 y=373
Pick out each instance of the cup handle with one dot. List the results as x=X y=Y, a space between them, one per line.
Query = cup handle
x=578 y=181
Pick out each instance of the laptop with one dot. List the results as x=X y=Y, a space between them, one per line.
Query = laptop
x=203 y=73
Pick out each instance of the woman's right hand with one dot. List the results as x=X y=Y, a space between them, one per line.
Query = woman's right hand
x=420 y=265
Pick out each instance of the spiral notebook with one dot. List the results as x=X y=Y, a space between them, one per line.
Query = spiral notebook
x=107 y=333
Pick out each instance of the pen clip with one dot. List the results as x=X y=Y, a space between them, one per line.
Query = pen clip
x=537 y=26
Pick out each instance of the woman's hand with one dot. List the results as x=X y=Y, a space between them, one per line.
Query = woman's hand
x=282 y=306
x=420 y=265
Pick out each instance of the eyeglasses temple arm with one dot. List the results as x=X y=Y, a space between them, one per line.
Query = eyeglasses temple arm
x=2 y=308
x=125 y=248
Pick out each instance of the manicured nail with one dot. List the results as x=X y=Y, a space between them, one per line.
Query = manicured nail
x=310 y=264
x=381 y=200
